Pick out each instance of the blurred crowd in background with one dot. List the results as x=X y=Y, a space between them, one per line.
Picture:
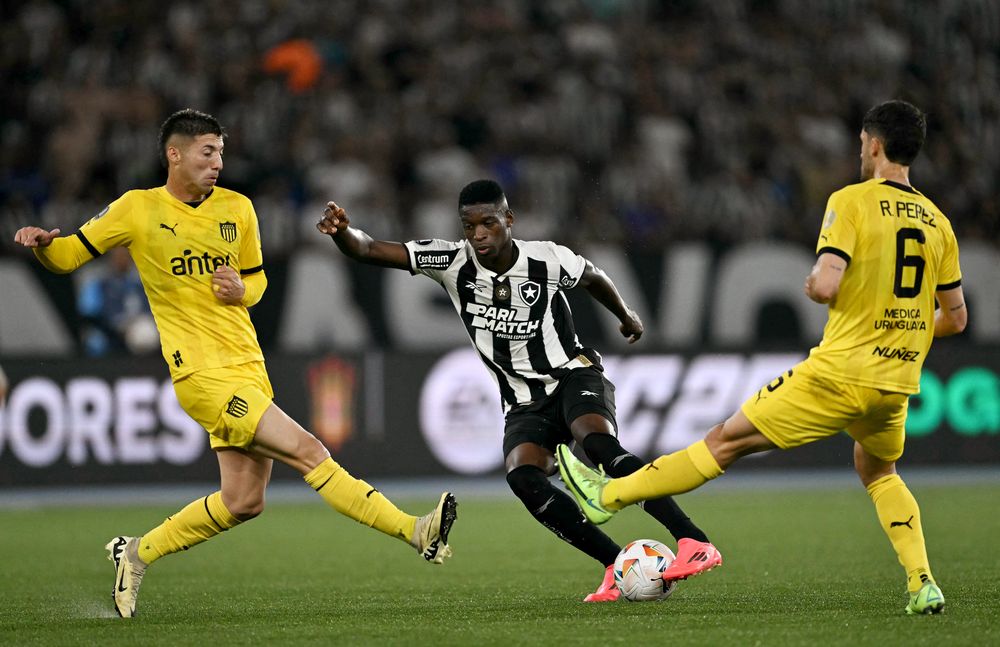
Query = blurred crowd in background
x=635 y=122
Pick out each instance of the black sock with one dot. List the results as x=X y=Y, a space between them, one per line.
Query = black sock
x=555 y=510
x=605 y=450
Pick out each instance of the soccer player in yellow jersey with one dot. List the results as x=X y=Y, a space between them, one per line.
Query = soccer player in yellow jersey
x=885 y=253
x=197 y=248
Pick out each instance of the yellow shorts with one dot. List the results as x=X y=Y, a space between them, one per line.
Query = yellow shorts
x=800 y=407
x=227 y=401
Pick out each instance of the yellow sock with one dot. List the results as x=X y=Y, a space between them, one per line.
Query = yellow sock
x=671 y=474
x=359 y=501
x=199 y=521
x=899 y=517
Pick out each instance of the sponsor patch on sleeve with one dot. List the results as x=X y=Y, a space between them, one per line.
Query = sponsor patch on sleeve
x=435 y=260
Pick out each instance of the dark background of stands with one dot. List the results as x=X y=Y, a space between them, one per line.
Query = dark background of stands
x=635 y=122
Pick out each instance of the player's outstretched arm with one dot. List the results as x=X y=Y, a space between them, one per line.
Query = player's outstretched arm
x=58 y=254
x=603 y=289
x=951 y=316
x=35 y=236
x=358 y=245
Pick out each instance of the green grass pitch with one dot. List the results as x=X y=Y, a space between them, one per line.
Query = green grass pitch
x=801 y=568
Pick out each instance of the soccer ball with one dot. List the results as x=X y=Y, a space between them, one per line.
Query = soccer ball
x=639 y=571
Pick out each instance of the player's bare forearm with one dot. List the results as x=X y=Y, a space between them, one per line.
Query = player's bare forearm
x=358 y=245
x=354 y=243
x=810 y=289
x=602 y=288
x=947 y=323
x=823 y=282
x=952 y=315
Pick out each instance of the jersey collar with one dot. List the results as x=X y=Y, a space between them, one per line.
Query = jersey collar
x=901 y=187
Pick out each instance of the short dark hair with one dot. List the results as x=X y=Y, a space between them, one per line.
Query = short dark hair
x=481 y=192
x=902 y=128
x=188 y=122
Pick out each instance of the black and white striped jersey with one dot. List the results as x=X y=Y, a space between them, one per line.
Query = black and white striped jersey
x=519 y=321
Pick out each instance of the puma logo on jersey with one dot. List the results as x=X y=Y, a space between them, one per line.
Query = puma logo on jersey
x=170 y=229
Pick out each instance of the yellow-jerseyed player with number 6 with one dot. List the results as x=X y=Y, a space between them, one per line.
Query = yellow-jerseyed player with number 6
x=197 y=248
x=885 y=253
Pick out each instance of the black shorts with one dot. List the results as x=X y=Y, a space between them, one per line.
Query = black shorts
x=546 y=423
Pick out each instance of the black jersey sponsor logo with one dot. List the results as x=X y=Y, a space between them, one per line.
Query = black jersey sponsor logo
x=189 y=263
x=228 y=231
x=903 y=354
x=529 y=291
x=237 y=407
x=437 y=260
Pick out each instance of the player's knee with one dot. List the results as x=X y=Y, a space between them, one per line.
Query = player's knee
x=247 y=506
x=311 y=451
x=869 y=468
x=527 y=481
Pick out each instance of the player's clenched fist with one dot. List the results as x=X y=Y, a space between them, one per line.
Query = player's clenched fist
x=227 y=285
x=334 y=220
x=35 y=236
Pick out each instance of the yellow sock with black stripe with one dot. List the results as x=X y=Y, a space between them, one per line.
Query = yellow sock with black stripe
x=899 y=516
x=358 y=500
x=199 y=521
x=668 y=475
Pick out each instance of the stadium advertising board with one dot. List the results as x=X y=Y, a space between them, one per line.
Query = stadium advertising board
x=401 y=414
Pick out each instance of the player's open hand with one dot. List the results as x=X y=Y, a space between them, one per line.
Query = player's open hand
x=334 y=220
x=227 y=285
x=35 y=236
x=631 y=326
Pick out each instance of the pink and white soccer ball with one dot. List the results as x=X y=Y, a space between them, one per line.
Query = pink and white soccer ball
x=639 y=571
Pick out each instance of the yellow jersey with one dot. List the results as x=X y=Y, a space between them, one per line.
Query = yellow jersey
x=900 y=250
x=176 y=247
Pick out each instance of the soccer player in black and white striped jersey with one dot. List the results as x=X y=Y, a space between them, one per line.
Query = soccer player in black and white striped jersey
x=509 y=294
